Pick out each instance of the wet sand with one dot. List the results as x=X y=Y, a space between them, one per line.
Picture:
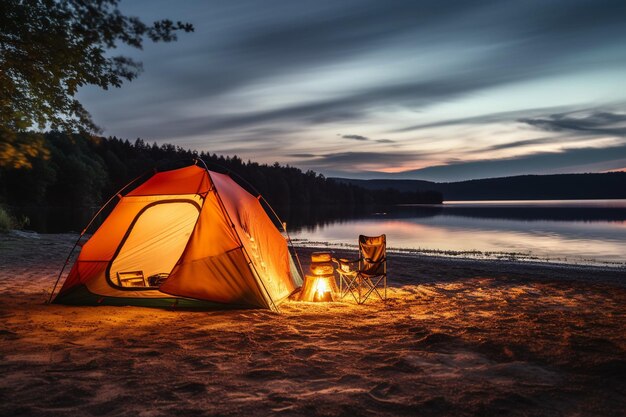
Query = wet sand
x=456 y=337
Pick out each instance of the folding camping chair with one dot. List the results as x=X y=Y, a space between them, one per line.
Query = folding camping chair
x=131 y=279
x=366 y=275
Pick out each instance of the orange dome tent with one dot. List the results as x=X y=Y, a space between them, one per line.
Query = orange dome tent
x=188 y=237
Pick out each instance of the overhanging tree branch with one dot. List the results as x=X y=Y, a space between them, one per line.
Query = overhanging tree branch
x=50 y=48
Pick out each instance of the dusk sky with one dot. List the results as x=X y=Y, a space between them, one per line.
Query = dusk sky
x=434 y=90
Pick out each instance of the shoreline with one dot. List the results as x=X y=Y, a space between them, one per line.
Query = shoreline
x=518 y=257
x=425 y=265
x=614 y=273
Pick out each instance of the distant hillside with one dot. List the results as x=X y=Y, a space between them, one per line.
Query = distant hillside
x=524 y=187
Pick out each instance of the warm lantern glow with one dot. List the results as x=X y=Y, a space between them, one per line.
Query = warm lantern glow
x=322 y=290
x=318 y=288
x=321 y=287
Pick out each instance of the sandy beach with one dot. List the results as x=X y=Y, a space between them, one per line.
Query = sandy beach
x=456 y=337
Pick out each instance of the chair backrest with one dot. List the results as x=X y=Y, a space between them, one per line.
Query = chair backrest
x=373 y=254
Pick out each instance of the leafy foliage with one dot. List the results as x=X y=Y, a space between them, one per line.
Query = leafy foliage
x=50 y=48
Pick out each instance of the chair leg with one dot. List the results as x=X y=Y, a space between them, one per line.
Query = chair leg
x=361 y=288
x=373 y=288
x=342 y=289
x=348 y=285
x=385 y=287
x=341 y=286
x=355 y=289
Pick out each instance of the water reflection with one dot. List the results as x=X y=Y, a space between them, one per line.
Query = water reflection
x=572 y=230
x=564 y=230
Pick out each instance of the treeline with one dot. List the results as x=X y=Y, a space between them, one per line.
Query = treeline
x=83 y=171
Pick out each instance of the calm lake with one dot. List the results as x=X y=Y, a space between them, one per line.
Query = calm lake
x=581 y=231
x=575 y=231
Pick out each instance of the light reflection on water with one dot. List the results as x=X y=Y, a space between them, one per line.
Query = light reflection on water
x=572 y=231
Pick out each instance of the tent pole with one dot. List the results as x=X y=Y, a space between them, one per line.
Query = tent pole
x=67 y=260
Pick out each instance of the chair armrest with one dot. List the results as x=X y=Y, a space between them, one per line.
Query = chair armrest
x=346 y=261
x=345 y=264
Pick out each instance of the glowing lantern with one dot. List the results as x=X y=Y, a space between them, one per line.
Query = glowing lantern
x=320 y=285
x=318 y=288
x=322 y=289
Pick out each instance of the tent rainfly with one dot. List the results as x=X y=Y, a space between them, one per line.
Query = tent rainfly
x=190 y=238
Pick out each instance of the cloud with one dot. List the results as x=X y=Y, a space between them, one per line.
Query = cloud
x=236 y=47
x=567 y=161
x=302 y=155
x=497 y=117
x=525 y=142
x=530 y=32
x=350 y=161
x=575 y=124
x=225 y=86
x=355 y=137
x=364 y=138
x=598 y=123
x=348 y=107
